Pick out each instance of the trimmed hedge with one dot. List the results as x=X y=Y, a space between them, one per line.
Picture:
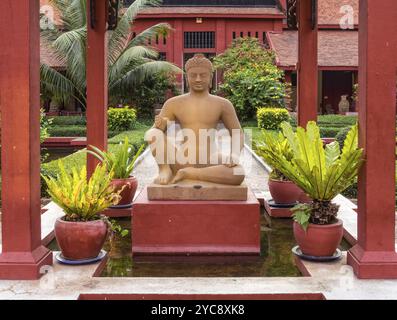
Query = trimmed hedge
x=121 y=119
x=331 y=120
x=69 y=120
x=74 y=131
x=271 y=118
x=67 y=131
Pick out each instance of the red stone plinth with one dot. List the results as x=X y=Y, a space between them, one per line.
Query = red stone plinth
x=117 y=213
x=277 y=212
x=195 y=227
x=372 y=265
x=24 y=265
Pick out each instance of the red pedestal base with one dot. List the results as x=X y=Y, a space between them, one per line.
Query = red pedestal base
x=24 y=265
x=277 y=212
x=372 y=265
x=195 y=227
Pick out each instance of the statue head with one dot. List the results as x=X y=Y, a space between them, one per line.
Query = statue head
x=199 y=73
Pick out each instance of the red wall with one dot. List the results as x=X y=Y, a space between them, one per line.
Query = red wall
x=224 y=28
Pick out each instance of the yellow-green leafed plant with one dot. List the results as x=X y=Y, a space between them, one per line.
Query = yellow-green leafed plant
x=121 y=162
x=80 y=199
x=322 y=173
x=274 y=143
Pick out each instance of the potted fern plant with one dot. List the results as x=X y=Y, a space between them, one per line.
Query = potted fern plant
x=282 y=189
x=121 y=163
x=82 y=232
x=322 y=173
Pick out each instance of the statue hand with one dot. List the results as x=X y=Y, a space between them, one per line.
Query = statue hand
x=160 y=122
x=232 y=161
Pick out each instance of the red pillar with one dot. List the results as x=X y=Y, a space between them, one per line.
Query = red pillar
x=178 y=48
x=221 y=45
x=374 y=256
x=307 y=64
x=97 y=81
x=22 y=253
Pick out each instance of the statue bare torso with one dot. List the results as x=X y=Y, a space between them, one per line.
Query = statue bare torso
x=197 y=112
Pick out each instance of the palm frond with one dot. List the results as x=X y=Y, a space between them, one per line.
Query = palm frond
x=129 y=59
x=119 y=37
x=139 y=74
x=59 y=85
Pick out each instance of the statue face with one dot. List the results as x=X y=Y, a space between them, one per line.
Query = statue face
x=199 y=79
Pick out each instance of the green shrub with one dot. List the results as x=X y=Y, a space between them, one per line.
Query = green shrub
x=152 y=91
x=69 y=120
x=45 y=123
x=121 y=119
x=341 y=136
x=251 y=77
x=329 y=132
x=271 y=118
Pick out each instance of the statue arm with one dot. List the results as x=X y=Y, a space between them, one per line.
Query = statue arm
x=231 y=122
x=166 y=114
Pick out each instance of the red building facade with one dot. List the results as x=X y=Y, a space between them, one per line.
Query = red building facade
x=209 y=29
x=210 y=26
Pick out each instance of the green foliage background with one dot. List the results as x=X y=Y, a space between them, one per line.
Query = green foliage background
x=251 y=77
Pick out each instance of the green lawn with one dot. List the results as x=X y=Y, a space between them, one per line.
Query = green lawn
x=78 y=159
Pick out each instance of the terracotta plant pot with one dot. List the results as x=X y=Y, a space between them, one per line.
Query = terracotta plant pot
x=80 y=240
x=284 y=192
x=127 y=195
x=319 y=240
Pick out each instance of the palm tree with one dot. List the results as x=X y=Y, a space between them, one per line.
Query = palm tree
x=130 y=61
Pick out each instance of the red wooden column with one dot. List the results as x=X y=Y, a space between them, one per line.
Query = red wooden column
x=178 y=48
x=307 y=63
x=221 y=45
x=22 y=253
x=374 y=256
x=97 y=80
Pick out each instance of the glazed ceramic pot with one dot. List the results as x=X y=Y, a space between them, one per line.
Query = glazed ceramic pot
x=284 y=192
x=127 y=195
x=319 y=240
x=80 y=240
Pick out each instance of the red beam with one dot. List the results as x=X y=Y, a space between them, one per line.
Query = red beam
x=22 y=253
x=143 y=16
x=97 y=81
x=307 y=64
x=374 y=256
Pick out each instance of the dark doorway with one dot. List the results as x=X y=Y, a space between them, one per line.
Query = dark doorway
x=336 y=84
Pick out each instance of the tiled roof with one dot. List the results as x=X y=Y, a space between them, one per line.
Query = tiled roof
x=44 y=4
x=211 y=10
x=329 y=11
x=47 y=56
x=335 y=48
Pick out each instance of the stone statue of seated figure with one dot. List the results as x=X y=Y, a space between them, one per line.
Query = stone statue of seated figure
x=198 y=114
